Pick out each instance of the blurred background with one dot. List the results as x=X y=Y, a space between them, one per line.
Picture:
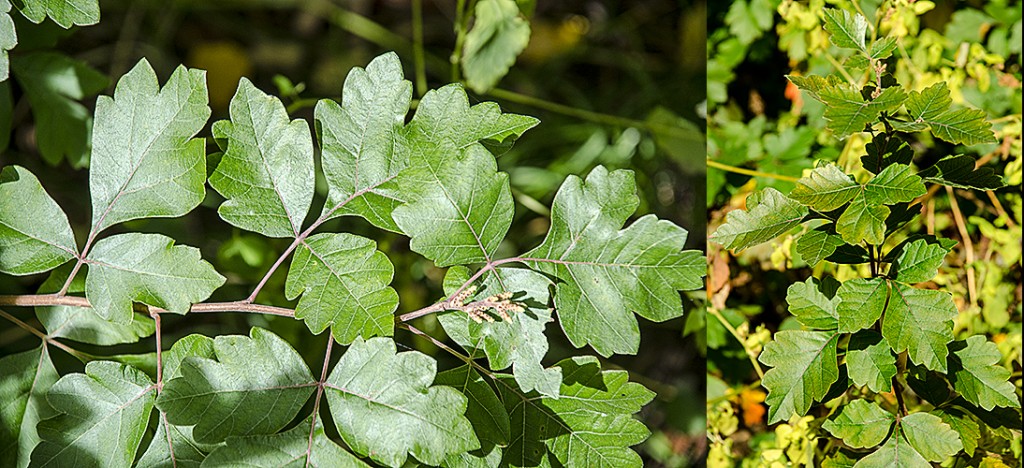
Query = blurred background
x=618 y=83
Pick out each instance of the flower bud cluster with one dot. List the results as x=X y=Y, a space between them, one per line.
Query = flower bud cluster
x=501 y=304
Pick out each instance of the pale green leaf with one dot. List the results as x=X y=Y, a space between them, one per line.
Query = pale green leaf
x=883 y=48
x=811 y=307
x=590 y=425
x=817 y=245
x=84 y=324
x=870 y=362
x=848 y=112
x=24 y=380
x=266 y=172
x=896 y=453
x=146 y=268
x=295 y=448
x=861 y=303
x=978 y=376
x=960 y=171
x=920 y=320
x=8 y=38
x=104 y=415
x=862 y=222
x=803 y=367
x=606 y=273
x=895 y=184
x=255 y=385
x=172 y=447
x=498 y=35
x=373 y=383
x=749 y=19
x=825 y=189
x=964 y=425
x=360 y=141
x=930 y=437
x=35 y=235
x=961 y=126
x=774 y=215
x=343 y=280
x=65 y=13
x=145 y=162
x=846 y=30
x=815 y=84
x=484 y=411
x=860 y=424
x=919 y=261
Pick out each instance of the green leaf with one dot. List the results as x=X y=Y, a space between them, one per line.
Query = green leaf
x=146 y=268
x=863 y=222
x=24 y=380
x=870 y=361
x=883 y=48
x=360 y=142
x=847 y=112
x=816 y=84
x=343 y=280
x=977 y=375
x=590 y=425
x=919 y=261
x=803 y=368
x=484 y=410
x=748 y=19
x=895 y=184
x=298 y=447
x=960 y=171
x=920 y=320
x=266 y=171
x=104 y=415
x=186 y=452
x=54 y=84
x=8 y=38
x=815 y=246
x=773 y=215
x=861 y=303
x=896 y=453
x=65 y=13
x=965 y=426
x=498 y=35
x=930 y=437
x=606 y=273
x=255 y=385
x=811 y=307
x=145 y=162
x=860 y=424
x=84 y=324
x=372 y=383
x=35 y=235
x=519 y=342
x=825 y=189
x=884 y=150
x=845 y=30
x=959 y=126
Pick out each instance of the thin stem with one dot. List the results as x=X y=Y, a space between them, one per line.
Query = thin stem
x=159 y=352
x=449 y=349
x=47 y=339
x=460 y=38
x=736 y=334
x=203 y=307
x=319 y=396
x=961 y=226
x=417 y=47
x=740 y=170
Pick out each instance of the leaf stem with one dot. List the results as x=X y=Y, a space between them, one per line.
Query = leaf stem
x=736 y=334
x=159 y=352
x=46 y=338
x=319 y=396
x=202 y=307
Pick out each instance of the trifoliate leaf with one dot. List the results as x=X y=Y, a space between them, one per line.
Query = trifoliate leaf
x=63 y=12
x=919 y=261
x=84 y=324
x=8 y=38
x=372 y=383
x=24 y=380
x=359 y=140
x=977 y=375
x=104 y=415
x=773 y=215
x=825 y=189
x=817 y=245
x=884 y=150
x=960 y=171
x=920 y=320
x=847 y=112
x=145 y=162
x=870 y=362
x=803 y=368
x=146 y=268
x=590 y=425
x=343 y=280
x=498 y=35
x=519 y=342
x=811 y=307
x=54 y=84
x=930 y=437
x=863 y=222
x=895 y=453
x=256 y=385
x=484 y=410
x=861 y=424
x=965 y=426
x=895 y=184
x=846 y=30
x=295 y=448
x=266 y=172
x=606 y=273
x=861 y=303
x=960 y=126
x=35 y=235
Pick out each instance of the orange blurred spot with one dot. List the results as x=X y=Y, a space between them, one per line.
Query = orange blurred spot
x=751 y=402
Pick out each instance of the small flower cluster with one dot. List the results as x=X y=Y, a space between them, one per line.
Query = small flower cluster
x=501 y=304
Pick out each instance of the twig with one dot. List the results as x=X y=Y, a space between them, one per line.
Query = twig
x=740 y=170
x=46 y=338
x=736 y=334
x=961 y=226
x=319 y=395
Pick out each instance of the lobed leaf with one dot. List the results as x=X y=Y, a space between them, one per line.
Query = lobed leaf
x=35 y=235
x=812 y=308
x=846 y=30
x=848 y=112
x=919 y=261
x=861 y=303
x=8 y=38
x=84 y=324
x=65 y=13
x=773 y=215
x=24 y=380
x=895 y=184
x=298 y=447
x=817 y=245
x=485 y=412
x=860 y=423
x=977 y=375
x=930 y=437
x=498 y=35
x=803 y=365
x=826 y=188
x=895 y=453
x=863 y=222
x=961 y=171
x=870 y=362
x=960 y=126
x=920 y=320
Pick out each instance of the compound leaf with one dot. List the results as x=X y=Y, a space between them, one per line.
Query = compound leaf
x=35 y=235
x=861 y=303
x=862 y=221
x=919 y=261
x=498 y=35
x=895 y=184
x=920 y=320
x=343 y=280
x=861 y=424
x=847 y=112
x=803 y=368
x=846 y=30
x=65 y=13
x=811 y=307
x=961 y=126
x=104 y=415
x=24 y=380
x=977 y=375
x=960 y=171
x=815 y=246
x=606 y=272
x=373 y=383
x=773 y=215
x=930 y=437
x=295 y=448
x=252 y=385
x=870 y=362
x=145 y=162
x=266 y=172
x=146 y=268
